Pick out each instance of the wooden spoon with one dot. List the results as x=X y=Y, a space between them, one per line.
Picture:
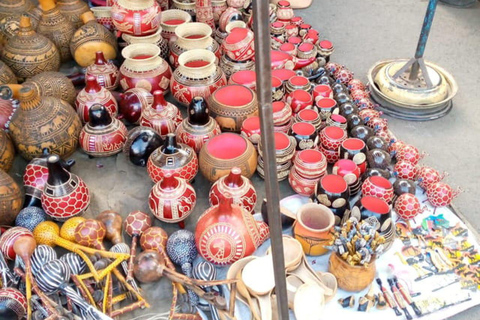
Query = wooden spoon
x=258 y=276
x=293 y=283
x=309 y=302
x=235 y=272
x=330 y=281
x=243 y=290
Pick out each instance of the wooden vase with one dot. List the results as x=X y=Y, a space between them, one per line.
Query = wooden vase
x=7 y=151
x=56 y=27
x=72 y=10
x=44 y=122
x=351 y=278
x=30 y=53
x=10 y=199
x=91 y=38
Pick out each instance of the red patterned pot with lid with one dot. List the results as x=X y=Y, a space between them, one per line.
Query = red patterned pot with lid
x=196 y=76
x=239 y=187
x=162 y=116
x=103 y=135
x=175 y=158
x=105 y=72
x=92 y=94
x=172 y=199
x=144 y=68
x=132 y=102
x=441 y=194
x=427 y=176
x=226 y=233
x=136 y=17
x=65 y=195
x=407 y=206
x=199 y=127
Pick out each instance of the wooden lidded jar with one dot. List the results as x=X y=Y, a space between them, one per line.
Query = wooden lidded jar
x=44 y=122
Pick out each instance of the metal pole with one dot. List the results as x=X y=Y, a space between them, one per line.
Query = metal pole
x=422 y=41
x=264 y=93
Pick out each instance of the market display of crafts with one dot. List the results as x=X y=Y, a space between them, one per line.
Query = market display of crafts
x=170 y=88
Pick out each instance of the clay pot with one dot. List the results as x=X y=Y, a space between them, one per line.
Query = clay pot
x=251 y=130
x=325 y=107
x=297 y=83
x=351 y=278
x=92 y=94
x=332 y=191
x=441 y=194
x=239 y=187
x=65 y=195
x=239 y=45
x=155 y=39
x=305 y=134
x=204 y=12
x=198 y=127
x=141 y=142
x=91 y=38
x=284 y=11
x=313 y=228
x=8 y=238
x=310 y=116
x=378 y=187
x=407 y=206
x=35 y=176
x=231 y=105
x=41 y=56
x=196 y=76
x=354 y=149
x=332 y=137
x=229 y=15
x=225 y=151
x=36 y=115
x=72 y=10
x=395 y=147
x=6 y=74
x=105 y=72
x=143 y=68
x=299 y=100
x=138 y=18
x=350 y=172
x=172 y=199
x=103 y=135
x=132 y=102
x=227 y=233
x=11 y=7
x=56 y=27
x=104 y=17
x=284 y=147
x=171 y=19
x=282 y=113
x=10 y=199
x=7 y=151
x=14 y=304
x=376 y=210
x=189 y=36
x=162 y=116
x=218 y=8
x=173 y=158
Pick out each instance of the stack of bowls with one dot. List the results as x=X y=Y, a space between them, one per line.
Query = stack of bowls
x=332 y=191
x=284 y=150
x=331 y=139
x=309 y=166
x=282 y=116
x=310 y=116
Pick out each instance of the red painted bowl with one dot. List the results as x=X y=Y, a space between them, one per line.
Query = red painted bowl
x=283 y=74
x=332 y=191
x=332 y=137
x=325 y=107
x=378 y=187
x=310 y=163
x=299 y=100
x=322 y=91
x=251 y=130
x=246 y=78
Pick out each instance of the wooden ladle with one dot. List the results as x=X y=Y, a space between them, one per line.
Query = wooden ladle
x=24 y=247
x=235 y=272
x=258 y=276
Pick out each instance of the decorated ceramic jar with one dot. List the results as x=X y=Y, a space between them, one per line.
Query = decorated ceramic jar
x=198 y=127
x=65 y=195
x=162 y=116
x=226 y=233
x=231 y=105
x=10 y=199
x=105 y=72
x=441 y=194
x=282 y=113
x=332 y=137
x=298 y=83
x=378 y=158
x=299 y=100
x=246 y=78
x=172 y=199
x=186 y=6
x=196 y=76
x=407 y=206
x=144 y=68
x=137 y=18
x=356 y=150
x=189 y=36
x=132 y=102
x=174 y=158
x=171 y=19
x=378 y=187
x=229 y=15
x=218 y=8
x=225 y=151
x=284 y=11
x=310 y=163
x=377 y=143
x=251 y=130
x=284 y=147
x=92 y=94
x=302 y=186
x=155 y=38
x=6 y=74
x=230 y=66
x=325 y=107
x=350 y=172
x=103 y=135
x=239 y=187
x=72 y=10
x=141 y=142
x=332 y=191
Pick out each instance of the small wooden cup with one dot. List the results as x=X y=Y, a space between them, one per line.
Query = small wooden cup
x=351 y=278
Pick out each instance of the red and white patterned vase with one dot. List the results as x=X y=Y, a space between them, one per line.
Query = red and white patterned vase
x=204 y=12
x=144 y=68
x=427 y=176
x=410 y=154
x=136 y=17
x=239 y=187
x=407 y=206
x=162 y=116
x=65 y=195
x=441 y=194
x=92 y=94
x=102 y=136
x=227 y=232
x=173 y=158
x=405 y=170
x=172 y=199
x=7 y=240
x=105 y=72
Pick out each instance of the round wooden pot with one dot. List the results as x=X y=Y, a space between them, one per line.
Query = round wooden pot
x=351 y=278
x=225 y=151
x=231 y=105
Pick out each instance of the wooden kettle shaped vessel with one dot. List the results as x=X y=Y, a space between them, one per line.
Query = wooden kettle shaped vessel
x=162 y=116
x=227 y=233
x=199 y=127
x=90 y=38
x=44 y=122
